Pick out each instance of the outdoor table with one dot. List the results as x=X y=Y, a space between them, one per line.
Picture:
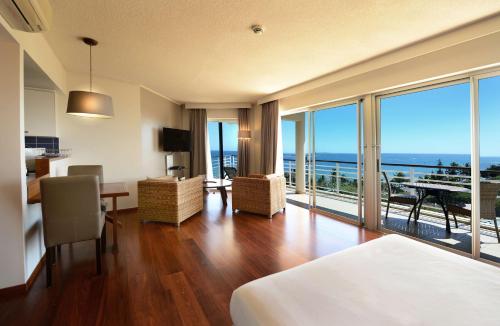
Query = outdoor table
x=440 y=191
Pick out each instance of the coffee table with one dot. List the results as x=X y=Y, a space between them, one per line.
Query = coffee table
x=219 y=184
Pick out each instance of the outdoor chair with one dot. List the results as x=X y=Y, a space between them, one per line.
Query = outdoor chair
x=230 y=172
x=489 y=192
x=405 y=198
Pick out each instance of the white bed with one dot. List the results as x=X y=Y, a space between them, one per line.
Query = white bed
x=389 y=281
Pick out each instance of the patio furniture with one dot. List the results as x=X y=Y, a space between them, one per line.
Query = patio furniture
x=405 y=198
x=168 y=200
x=260 y=194
x=230 y=172
x=440 y=191
x=489 y=192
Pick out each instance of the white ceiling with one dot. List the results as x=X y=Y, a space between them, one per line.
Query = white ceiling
x=204 y=50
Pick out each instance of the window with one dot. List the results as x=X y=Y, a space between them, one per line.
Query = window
x=223 y=138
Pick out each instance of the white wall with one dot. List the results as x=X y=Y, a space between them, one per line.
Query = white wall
x=157 y=112
x=39 y=112
x=12 y=178
x=115 y=143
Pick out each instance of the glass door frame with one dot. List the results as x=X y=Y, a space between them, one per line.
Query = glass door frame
x=358 y=101
x=473 y=79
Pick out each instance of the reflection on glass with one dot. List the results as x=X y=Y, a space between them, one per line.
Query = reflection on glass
x=489 y=117
x=425 y=165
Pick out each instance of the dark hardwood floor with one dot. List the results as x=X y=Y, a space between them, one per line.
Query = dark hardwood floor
x=166 y=275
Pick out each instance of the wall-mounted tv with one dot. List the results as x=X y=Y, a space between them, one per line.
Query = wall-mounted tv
x=176 y=140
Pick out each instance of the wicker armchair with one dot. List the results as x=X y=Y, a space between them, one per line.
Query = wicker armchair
x=259 y=194
x=169 y=201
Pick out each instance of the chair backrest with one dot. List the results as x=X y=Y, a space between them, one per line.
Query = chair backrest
x=86 y=170
x=389 y=190
x=71 y=209
x=230 y=172
x=489 y=192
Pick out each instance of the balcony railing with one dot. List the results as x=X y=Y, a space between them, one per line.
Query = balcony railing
x=229 y=160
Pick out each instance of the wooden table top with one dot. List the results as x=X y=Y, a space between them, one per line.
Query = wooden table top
x=107 y=190
x=433 y=186
x=216 y=183
x=114 y=189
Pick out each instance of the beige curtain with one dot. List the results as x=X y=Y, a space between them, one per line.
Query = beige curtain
x=198 y=128
x=243 y=144
x=269 y=137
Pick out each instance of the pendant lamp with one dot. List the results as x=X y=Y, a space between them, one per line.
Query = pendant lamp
x=90 y=104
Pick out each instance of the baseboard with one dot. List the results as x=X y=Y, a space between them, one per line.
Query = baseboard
x=24 y=288
x=34 y=274
x=13 y=290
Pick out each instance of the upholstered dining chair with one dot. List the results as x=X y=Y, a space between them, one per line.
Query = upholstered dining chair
x=71 y=212
x=405 y=198
x=89 y=170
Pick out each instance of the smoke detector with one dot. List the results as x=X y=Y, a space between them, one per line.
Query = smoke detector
x=257 y=29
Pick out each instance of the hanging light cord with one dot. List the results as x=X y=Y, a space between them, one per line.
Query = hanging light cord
x=90 y=46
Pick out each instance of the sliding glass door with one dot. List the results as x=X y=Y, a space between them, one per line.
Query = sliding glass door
x=223 y=137
x=337 y=160
x=425 y=164
x=488 y=89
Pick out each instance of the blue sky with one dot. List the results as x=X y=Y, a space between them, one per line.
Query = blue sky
x=229 y=135
x=435 y=121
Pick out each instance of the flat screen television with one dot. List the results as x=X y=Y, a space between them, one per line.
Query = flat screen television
x=176 y=140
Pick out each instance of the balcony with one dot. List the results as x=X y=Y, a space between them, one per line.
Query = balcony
x=336 y=191
x=229 y=160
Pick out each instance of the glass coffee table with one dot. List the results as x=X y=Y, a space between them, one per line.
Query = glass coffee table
x=218 y=184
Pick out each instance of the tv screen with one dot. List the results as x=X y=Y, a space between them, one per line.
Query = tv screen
x=176 y=140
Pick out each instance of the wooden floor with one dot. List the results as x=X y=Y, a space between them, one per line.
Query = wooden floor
x=164 y=275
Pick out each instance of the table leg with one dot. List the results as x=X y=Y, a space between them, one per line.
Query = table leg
x=115 y=224
x=422 y=196
x=223 y=195
x=444 y=207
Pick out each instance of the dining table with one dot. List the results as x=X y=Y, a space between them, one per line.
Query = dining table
x=439 y=191
x=114 y=190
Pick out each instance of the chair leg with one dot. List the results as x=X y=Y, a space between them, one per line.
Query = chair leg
x=98 y=255
x=48 y=265
x=103 y=238
x=496 y=229
x=455 y=219
x=387 y=209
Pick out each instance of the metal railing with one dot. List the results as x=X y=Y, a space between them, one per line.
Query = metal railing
x=228 y=160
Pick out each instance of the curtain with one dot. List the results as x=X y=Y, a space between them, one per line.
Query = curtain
x=243 y=143
x=198 y=127
x=269 y=137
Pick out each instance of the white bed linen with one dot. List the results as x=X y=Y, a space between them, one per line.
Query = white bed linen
x=389 y=281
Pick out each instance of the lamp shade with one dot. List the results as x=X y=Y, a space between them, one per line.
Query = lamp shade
x=90 y=104
x=244 y=134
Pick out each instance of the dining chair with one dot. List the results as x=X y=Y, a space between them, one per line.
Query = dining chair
x=487 y=203
x=89 y=170
x=71 y=212
x=405 y=198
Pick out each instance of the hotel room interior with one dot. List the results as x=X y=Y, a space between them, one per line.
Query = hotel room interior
x=266 y=162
